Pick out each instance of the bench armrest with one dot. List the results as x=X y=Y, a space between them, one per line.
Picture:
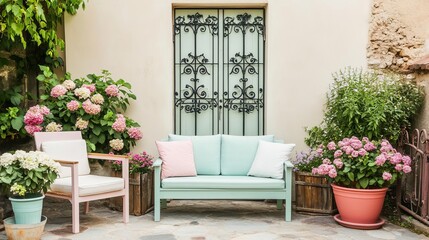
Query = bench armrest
x=157 y=163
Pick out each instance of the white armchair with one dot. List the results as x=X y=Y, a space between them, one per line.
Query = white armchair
x=75 y=183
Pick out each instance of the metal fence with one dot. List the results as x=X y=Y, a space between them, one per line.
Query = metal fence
x=412 y=194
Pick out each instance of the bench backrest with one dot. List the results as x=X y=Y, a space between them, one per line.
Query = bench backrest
x=223 y=154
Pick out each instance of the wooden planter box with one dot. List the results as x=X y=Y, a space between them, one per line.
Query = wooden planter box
x=313 y=194
x=141 y=194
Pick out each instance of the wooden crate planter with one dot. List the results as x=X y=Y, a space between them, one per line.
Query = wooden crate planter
x=313 y=194
x=141 y=194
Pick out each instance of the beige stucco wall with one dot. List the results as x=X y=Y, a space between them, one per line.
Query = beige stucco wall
x=307 y=40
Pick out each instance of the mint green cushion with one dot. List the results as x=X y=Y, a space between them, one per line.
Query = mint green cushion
x=206 y=152
x=238 y=153
x=213 y=182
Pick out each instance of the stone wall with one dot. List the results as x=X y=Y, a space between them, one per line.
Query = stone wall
x=395 y=40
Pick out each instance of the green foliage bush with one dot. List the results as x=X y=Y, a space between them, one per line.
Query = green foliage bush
x=366 y=104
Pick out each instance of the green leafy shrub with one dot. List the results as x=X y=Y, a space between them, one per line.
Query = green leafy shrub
x=366 y=104
x=11 y=114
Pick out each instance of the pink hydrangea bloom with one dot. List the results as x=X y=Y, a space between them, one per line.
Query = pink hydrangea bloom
x=326 y=161
x=406 y=160
x=387 y=176
x=396 y=158
x=73 y=105
x=332 y=173
x=338 y=153
x=406 y=169
x=380 y=159
x=331 y=146
x=33 y=118
x=349 y=150
x=338 y=163
x=355 y=154
x=90 y=87
x=398 y=167
x=31 y=129
x=369 y=146
x=112 y=90
x=119 y=125
x=135 y=133
x=44 y=110
x=356 y=144
x=58 y=91
x=362 y=152
x=90 y=108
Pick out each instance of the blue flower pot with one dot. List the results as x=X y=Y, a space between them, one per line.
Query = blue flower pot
x=27 y=210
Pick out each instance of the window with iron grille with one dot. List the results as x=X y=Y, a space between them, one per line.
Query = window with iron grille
x=219 y=71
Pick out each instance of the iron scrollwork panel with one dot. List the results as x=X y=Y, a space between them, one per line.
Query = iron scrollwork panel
x=196 y=72
x=209 y=62
x=243 y=94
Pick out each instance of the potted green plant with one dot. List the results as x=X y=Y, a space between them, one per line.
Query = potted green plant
x=141 y=183
x=360 y=171
x=313 y=193
x=27 y=175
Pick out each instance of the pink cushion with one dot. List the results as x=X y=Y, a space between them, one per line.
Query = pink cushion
x=177 y=159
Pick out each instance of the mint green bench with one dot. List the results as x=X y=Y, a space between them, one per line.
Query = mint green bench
x=222 y=163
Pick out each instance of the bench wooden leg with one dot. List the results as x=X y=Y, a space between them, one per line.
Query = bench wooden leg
x=163 y=203
x=279 y=204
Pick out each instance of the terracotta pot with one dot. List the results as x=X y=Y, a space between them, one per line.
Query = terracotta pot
x=359 y=207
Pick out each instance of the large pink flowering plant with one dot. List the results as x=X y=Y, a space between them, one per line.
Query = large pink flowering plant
x=361 y=163
x=92 y=105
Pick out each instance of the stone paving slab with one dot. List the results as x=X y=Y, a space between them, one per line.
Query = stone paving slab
x=207 y=220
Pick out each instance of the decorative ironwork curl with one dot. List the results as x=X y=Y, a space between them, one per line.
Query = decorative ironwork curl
x=243 y=64
x=195 y=65
x=196 y=23
x=243 y=24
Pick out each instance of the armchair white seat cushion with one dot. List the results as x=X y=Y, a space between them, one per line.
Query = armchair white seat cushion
x=89 y=185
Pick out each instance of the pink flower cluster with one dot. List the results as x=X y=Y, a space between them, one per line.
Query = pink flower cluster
x=90 y=87
x=135 y=133
x=119 y=125
x=58 y=91
x=34 y=117
x=381 y=158
x=91 y=108
x=73 y=105
x=112 y=90
x=139 y=163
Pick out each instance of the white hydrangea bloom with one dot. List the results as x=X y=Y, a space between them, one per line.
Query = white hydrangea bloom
x=7 y=159
x=69 y=84
x=54 y=127
x=82 y=93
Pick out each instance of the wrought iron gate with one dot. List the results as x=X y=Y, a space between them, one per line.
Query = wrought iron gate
x=413 y=192
x=219 y=71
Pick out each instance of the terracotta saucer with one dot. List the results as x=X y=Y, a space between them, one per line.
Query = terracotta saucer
x=362 y=226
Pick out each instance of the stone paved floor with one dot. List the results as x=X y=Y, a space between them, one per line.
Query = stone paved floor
x=200 y=220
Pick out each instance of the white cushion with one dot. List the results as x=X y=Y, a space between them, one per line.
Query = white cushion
x=70 y=150
x=269 y=159
x=89 y=185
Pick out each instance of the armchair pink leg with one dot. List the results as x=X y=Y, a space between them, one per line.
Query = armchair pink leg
x=86 y=207
x=75 y=199
x=125 y=198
